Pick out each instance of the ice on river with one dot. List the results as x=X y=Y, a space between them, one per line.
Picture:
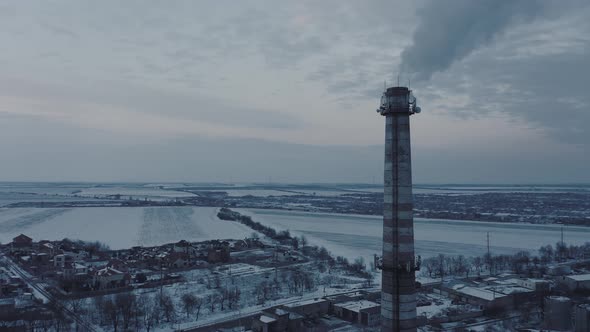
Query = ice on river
x=360 y=235
x=120 y=227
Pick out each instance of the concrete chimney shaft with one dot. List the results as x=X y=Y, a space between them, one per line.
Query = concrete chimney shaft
x=398 y=296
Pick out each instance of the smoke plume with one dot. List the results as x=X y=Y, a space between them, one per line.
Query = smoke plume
x=450 y=30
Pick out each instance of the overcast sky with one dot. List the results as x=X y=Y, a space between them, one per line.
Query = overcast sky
x=287 y=90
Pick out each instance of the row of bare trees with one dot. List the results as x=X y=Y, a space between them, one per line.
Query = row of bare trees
x=127 y=311
x=521 y=262
x=225 y=295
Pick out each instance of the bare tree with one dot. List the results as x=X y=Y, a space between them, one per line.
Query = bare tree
x=211 y=301
x=460 y=265
x=223 y=295
x=60 y=320
x=331 y=264
x=150 y=312
x=546 y=253
x=111 y=313
x=217 y=281
x=561 y=250
x=478 y=263
x=441 y=265
x=295 y=243
x=77 y=307
x=167 y=307
x=369 y=279
x=126 y=305
x=198 y=304
x=189 y=301
x=233 y=297
x=99 y=308
x=303 y=241
x=431 y=265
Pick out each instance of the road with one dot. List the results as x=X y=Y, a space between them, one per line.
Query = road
x=47 y=297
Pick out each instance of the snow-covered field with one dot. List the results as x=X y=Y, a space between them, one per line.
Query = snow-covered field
x=470 y=190
x=135 y=192
x=358 y=235
x=120 y=227
x=256 y=192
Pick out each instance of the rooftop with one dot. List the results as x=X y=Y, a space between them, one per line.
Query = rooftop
x=297 y=304
x=356 y=306
x=580 y=277
x=559 y=298
x=480 y=293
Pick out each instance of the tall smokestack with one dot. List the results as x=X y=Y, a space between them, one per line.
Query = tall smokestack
x=398 y=295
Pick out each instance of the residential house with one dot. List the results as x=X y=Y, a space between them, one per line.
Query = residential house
x=110 y=278
x=21 y=243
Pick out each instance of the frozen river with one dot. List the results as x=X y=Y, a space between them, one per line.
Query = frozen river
x=346 y=235
x=120 y=227
x=360 y=235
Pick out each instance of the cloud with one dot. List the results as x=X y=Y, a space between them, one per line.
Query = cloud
x=448 y=31
x=301 y=72
x=536 y=73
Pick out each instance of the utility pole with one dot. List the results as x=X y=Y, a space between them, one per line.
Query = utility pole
x=561 y=246
x=488 y=238
x=562 y=235
x=489 y=256
x=161 y=281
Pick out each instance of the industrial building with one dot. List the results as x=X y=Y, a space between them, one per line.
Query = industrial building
x=576 y=282
x=582 y=318
x=366 y=313
x=497 y=295
x=558 y=313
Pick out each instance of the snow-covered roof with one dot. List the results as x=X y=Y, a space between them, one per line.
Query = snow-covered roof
x=357 y=306
x=108 y=271
x=266 y=319
x=297 y=304
x=559 y=298
x=480 y=293
x=511 y=281
x=7 y=301
x=580 y=277
x=511 y=289
x=281 y=312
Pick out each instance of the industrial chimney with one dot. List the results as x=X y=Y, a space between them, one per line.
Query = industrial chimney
x=398 y=286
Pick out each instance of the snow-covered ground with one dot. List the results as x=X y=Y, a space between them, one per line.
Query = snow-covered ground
x=470 y=190
x=256 y=192
x=359 y=235
x=120 y=227
x=134 y=192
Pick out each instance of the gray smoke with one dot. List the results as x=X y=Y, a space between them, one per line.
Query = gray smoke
x=450 y=30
